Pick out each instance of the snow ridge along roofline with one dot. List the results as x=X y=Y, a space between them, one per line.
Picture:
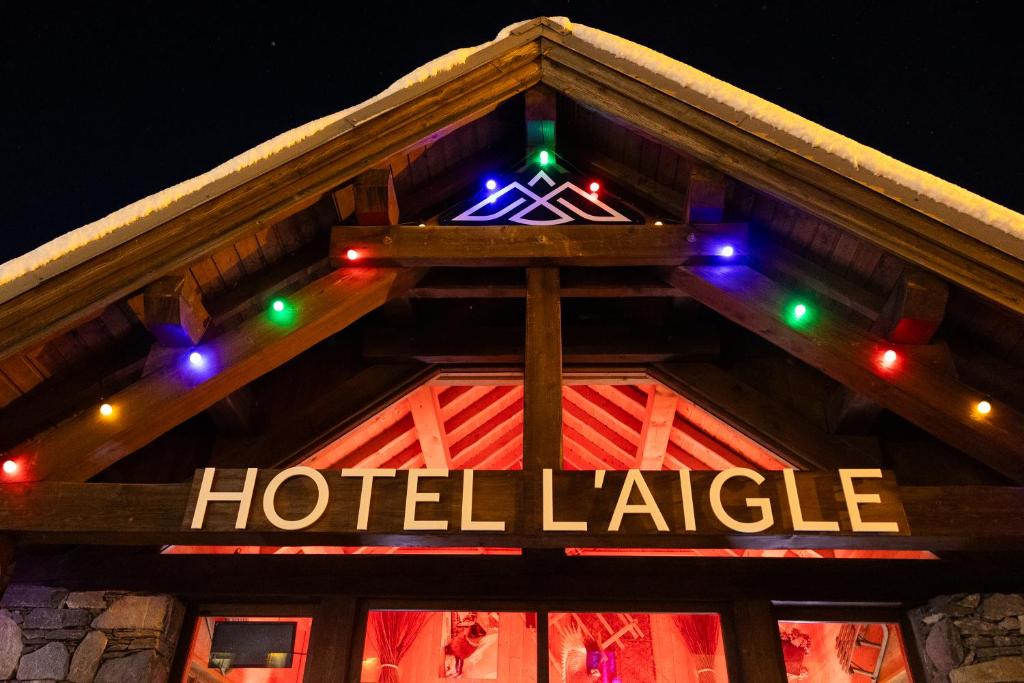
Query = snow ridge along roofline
x=954 y=206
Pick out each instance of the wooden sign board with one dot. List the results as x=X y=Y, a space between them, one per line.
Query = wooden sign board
x=629 y=508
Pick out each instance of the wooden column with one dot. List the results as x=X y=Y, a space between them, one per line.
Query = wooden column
x=540 y=118
x=542 y=389
x=331 y=640
x=757 y=643
x=426 y=415
x=705 y=196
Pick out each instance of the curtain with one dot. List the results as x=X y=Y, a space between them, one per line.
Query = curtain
x=395 y=633
x=701 y=633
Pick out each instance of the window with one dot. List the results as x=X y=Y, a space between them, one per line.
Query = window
x=625 y=647
x=438 y=645
x=206 y=666
x=837 y=652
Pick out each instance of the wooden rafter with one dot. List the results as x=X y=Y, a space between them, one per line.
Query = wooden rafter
x=85 y=444
x=426 y=414
x=661 y=410
x=929 y=398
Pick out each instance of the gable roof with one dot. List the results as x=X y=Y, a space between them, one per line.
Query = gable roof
x=954 y=206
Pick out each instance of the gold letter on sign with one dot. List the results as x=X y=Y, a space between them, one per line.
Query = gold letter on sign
x=269 y=495
x=549 y=508
x=649 y=506
x=206 y=495
x=854 y=500
x=413 y=496
x=799 y=523
x=716 y=502
x=366 y=492
x=467 y=508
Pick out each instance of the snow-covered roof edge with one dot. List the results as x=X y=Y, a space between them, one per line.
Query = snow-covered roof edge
x=961 y=209
x=77 y=246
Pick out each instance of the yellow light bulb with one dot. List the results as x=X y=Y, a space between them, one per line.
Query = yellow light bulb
x=106 y=410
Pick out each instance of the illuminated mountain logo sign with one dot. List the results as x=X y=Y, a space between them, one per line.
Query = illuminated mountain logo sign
x=547 y=198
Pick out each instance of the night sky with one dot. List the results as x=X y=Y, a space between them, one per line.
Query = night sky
x=104 y=104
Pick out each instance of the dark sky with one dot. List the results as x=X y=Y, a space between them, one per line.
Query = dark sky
x=103 y=104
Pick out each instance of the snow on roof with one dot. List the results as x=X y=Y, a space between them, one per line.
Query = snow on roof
x=76 y=246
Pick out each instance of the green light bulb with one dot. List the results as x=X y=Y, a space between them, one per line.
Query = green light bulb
x=544 y=157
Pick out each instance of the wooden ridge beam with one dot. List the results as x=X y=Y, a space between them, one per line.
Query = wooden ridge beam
x=517 y=245
x=577 y=283
x=390 y=125
x=655 y=107
x=964 y=518
x=584 y=344
x=86 y=443
x=914 y=389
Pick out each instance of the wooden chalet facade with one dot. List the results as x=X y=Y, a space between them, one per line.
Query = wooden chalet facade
x=636 y=379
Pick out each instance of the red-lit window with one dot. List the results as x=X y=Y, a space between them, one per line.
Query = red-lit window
x=834 y=652
x=635 y=647
x=439 y=645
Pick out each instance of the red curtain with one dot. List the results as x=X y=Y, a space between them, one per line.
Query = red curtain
x=394 y=633
x=701 y=633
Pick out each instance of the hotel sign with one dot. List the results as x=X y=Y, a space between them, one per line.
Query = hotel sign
x=626 y=508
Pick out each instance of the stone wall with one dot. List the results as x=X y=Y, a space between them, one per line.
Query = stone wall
x=971 y=638
x=51 y=634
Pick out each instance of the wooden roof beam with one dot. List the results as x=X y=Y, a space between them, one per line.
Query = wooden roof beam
x=85 y=444
x=516 y=245
x=541 y=116
x=172 y=309
x=426 y=415
x=654 y=438
x=915 y=390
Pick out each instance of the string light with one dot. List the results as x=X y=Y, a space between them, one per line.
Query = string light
x=352 y=255
x=983 y=408
x=798 y=314
x=491 y=184
x=544 y=157
x=423 y=225
x=658 y=223
x=10 y=467
x=727 y=251
x=799 y=311
x=888 y=358
x=277 y=306
x=106 y=410
x=196 y=359
x=595 y=186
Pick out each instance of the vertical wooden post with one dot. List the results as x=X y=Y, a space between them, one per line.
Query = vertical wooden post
x=705 y=196
x=542 y=386
x=330 y=642
x=543 y=667
x=6 y=561
x=757 y=642
x=540 y=118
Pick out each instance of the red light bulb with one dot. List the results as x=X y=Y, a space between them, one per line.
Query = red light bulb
x=595 y=186
x=889 y=358
x=352 y=255
x=10 y=467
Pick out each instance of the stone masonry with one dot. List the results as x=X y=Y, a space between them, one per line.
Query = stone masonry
x=971 y=638
x=51 y=634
